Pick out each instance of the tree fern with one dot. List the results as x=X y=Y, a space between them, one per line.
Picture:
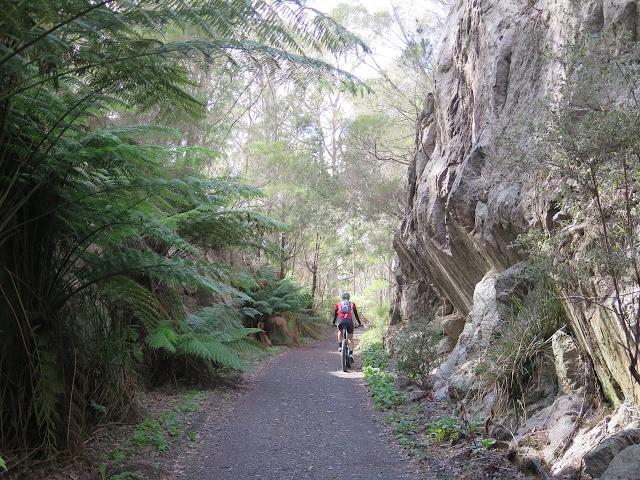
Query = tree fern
x=273 y=296
x=213 y=334
x=163 y=337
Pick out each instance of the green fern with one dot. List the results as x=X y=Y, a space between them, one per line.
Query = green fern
x=163 y=337
x=213 y=334
x=270 y=296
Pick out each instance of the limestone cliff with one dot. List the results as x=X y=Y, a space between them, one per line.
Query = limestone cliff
x=495 y=61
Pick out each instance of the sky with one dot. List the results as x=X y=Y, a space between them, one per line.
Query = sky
x=372 y=5
x=383 y=53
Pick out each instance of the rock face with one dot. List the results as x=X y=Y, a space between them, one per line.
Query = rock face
x=598 y=461
x=569 y=367
x=597 y=441
x=491 y=307
x=496 y=62
x=625 y=465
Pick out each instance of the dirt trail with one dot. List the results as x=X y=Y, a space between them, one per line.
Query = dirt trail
x=303 y=419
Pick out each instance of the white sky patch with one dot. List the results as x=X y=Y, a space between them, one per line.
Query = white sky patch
x=386 y=51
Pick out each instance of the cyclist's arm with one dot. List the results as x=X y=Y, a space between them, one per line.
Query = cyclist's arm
x=335 y=315
x=355 y=312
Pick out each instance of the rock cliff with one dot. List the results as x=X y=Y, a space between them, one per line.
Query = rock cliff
x=496 y=62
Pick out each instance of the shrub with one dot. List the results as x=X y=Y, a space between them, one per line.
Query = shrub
x=522 y=352
x=584 y=146
x=414 y=346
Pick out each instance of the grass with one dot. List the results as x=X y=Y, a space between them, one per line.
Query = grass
x=127 y=476
x=371 y=338
x=155 y=433
x=254 y=358
x=191 y=402
x=149 y=432
x=522 y=352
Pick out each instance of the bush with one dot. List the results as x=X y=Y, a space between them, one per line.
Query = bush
x=414 y=348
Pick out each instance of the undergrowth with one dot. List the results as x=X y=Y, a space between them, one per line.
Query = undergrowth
x=382 y=388
x=406 y=419
x=414 y=349
x=107 y=222
x=374 y=362
x=154 y=435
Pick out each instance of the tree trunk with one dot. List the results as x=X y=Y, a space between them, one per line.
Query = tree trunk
x=353 y=271
x=314 y=268
x=283 y=255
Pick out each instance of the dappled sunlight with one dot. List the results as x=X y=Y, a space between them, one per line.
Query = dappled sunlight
x=352 y=374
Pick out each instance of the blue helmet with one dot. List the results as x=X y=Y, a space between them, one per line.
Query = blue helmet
x=345 y=296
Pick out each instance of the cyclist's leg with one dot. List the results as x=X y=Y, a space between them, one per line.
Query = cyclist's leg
x=340 y=333
x=349 y=328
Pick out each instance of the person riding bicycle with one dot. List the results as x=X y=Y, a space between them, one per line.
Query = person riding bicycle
x=344 y=312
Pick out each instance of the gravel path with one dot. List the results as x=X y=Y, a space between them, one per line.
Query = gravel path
x=288 y=425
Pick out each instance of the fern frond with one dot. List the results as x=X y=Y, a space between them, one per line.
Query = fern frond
x=163 y=337
x=207 y=347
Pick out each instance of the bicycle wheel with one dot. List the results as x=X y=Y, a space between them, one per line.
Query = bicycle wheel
x=345 y=355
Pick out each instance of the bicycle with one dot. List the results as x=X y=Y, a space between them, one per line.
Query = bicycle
x=346 y=356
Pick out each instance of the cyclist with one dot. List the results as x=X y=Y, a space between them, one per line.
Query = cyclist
x=343 y=313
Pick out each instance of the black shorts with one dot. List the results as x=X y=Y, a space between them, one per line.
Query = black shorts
x=346 y=322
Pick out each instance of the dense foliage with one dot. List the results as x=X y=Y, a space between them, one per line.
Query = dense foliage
x=108 y=218
x=333 y=164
